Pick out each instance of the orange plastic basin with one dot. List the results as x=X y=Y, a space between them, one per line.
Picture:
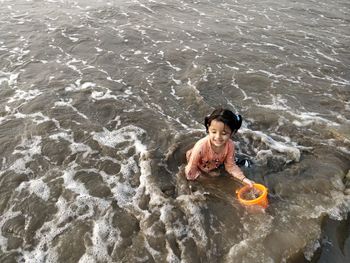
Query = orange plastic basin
x=261 y=200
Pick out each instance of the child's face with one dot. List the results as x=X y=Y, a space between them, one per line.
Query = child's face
x=219 y=133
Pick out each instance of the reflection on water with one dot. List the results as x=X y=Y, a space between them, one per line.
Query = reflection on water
x=100 y=100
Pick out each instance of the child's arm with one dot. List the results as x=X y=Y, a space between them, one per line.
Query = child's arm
x=192 y=171
x=233 y=169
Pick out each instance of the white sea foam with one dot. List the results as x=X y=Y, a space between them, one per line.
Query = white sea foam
x=173 y=92
x=235 y=84
x=337 y=209
x=101 y=95
x=71 y=184
x=37 y=187
x=147 y=59
x=292 y=151
x=309 y=118
x=123 y=191
x=253 y=234
x=5 y=216
x=103 y=236
x=273 y=45
x=310 y=250
x=28 y=148
x=80 y=86
x=127 y=196
x=193 y=204
x=325 y=56
x=45 y=251
x=172 y=66
x=81 y=147
x=37 y=117
x=9 y=77
x=177 y=81
x=68 y=103
x=111 y=138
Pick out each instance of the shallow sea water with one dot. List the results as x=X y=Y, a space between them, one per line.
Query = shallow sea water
x=99 y=101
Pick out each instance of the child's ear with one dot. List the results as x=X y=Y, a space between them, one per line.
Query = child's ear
x=206 y=123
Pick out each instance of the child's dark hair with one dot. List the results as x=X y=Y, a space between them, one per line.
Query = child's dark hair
x=226 y=116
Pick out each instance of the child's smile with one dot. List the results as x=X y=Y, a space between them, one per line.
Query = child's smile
x=219 y=134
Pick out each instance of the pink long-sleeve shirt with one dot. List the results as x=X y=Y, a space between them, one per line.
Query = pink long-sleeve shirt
x=203 y=158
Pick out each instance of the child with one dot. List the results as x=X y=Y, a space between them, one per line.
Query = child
x=217 y=148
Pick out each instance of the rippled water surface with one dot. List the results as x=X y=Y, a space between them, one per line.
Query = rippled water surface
x=99 y=101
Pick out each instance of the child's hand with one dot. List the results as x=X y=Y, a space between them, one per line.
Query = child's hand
x=248 y=182
x=192 y=175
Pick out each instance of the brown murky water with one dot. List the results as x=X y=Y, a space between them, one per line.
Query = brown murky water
x=99 y=101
